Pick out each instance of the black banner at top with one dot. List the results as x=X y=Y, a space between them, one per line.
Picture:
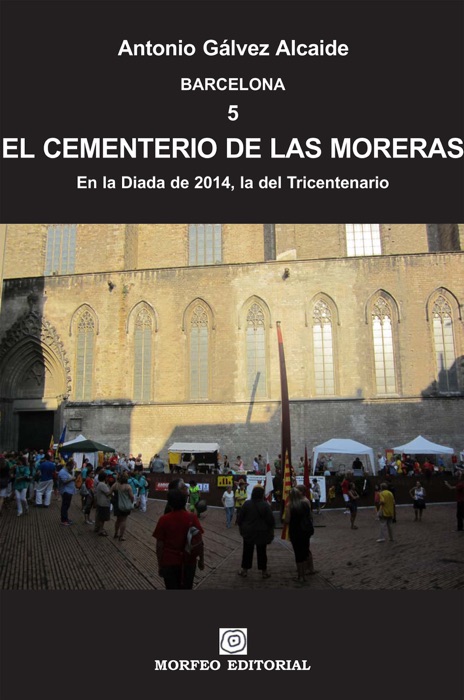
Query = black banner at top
x=232 y=111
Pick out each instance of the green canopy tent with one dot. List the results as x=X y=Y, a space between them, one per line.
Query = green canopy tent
x=82 y=445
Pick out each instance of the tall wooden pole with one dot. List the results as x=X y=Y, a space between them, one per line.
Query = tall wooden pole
x=285 y=421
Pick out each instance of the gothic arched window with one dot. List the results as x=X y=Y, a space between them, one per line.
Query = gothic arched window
x=256 y=351
x=443 y=338
x=85 y=327
x=324 y=371
x=384 y=356
x=199 y=353
x=143 y=328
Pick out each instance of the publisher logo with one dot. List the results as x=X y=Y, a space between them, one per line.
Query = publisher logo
x=233 y=641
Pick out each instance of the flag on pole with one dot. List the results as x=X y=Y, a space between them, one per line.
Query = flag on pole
x=306 y=472
x=285 y=403
x=62 y=437
x=268 y=485
x=286 y=488
x=51 y=447
x=60 y=444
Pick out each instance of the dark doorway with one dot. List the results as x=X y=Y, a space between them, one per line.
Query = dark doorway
x=35 y=429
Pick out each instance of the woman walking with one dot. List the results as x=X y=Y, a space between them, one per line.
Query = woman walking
x=103 y=502
x=176 y=566
x=143 y=492
x=256 y=523
x=300 y=526
x=88 y=490
x=417 y=493
x=22 y=478
x=122 y=505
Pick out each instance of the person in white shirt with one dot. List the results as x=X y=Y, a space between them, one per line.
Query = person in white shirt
x=381 y=461
x=228 y=501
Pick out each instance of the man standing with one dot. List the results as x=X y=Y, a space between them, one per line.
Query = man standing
x=67 y=489
x=157 y=464
x=44 y=487
x=386 y=513
x=382 y=464
x=459 y=488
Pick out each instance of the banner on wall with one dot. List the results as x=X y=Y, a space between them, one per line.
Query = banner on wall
x=225 y=481
x=320 y=480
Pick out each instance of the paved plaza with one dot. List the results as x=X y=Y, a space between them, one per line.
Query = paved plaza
x=37 y=553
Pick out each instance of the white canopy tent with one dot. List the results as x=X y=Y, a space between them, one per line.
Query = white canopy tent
x=207 y=454
x=421 y=446
x=343 y=446
x=194 y=447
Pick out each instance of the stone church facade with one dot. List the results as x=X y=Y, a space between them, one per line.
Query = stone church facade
x=140 y=335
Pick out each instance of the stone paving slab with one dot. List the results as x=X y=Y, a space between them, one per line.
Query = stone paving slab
x=37 y=553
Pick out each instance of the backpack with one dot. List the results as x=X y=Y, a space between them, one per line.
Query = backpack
x=201 y=506
x=78 y=481
x=193 y=544
x=84 y=491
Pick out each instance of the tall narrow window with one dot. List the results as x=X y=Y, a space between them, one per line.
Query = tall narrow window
x=61 y=249
x=143 y=356
x=256 y=352
x=324 y=374
x=445 y=355
x=363 y=239
x=199 y=337
x=84 y=356
x=384 y=358
x=205 y=244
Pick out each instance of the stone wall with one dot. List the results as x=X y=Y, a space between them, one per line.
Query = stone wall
x=312 y=266
x=247 y=432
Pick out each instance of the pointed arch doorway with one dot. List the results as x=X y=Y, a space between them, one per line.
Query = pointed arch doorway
x=34 y=383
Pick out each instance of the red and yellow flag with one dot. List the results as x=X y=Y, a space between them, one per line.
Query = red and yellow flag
x=286 y=488
x=51 y=448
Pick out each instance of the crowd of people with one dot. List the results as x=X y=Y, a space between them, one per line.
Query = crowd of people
x=118 y=485
x=406 y=465
x=32 y=478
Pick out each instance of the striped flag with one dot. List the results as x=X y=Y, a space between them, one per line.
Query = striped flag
x=306 y=473
x=286 y=488
x=51 y=448
x=60 y=445
x=268 y=485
